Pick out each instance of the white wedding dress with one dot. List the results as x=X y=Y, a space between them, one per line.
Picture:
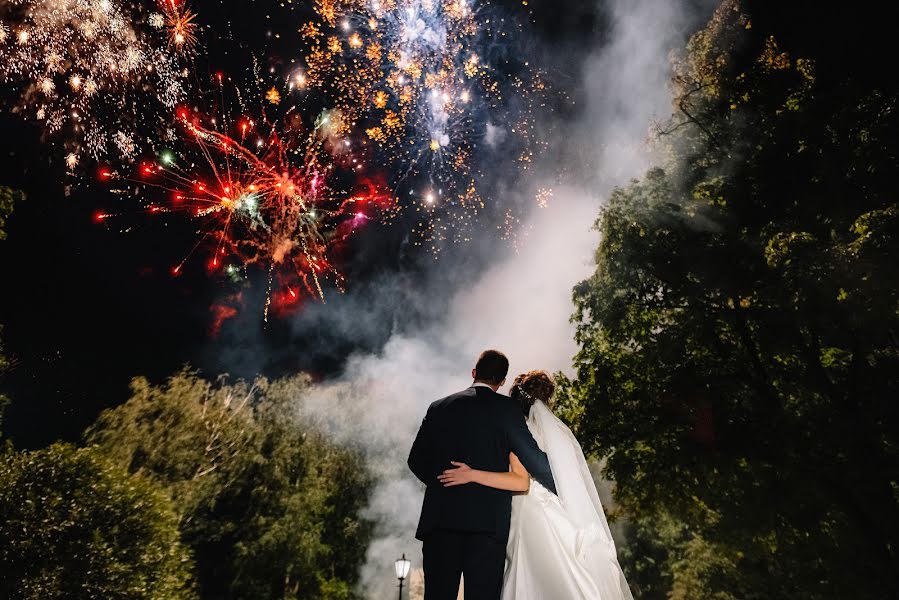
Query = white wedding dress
x=560 y=547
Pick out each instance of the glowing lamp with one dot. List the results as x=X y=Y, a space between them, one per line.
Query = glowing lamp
x=402 y=566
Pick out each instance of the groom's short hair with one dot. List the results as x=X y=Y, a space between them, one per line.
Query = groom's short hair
x=492 y=367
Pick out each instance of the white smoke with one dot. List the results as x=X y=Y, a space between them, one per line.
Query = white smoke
x=521 y=304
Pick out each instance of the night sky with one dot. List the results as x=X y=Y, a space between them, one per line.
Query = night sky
x=86 y=307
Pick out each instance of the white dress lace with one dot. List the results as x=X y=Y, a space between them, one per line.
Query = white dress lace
x=560 y=547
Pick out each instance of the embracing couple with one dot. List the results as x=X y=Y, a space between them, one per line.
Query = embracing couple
x=510 y=503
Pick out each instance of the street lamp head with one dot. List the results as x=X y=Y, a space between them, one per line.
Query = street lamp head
x=402 y=566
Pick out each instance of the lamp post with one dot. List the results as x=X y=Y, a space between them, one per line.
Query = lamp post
x=402 y=571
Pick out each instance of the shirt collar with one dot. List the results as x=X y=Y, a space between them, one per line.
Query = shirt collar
x=479 y=384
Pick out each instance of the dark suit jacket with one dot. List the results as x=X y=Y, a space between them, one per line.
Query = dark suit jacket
x=479 y=427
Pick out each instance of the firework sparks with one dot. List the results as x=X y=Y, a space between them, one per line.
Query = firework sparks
x=86 y=72
x=421 y=86
x=411 y=75
x=264 y=198
x=544 y=195
x=178 y=20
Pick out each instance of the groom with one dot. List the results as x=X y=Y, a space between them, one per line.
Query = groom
x=464 y=528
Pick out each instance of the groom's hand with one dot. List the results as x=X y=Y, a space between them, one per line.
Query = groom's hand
x=461 y=475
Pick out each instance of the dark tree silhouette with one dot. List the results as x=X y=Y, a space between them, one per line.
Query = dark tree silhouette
x=740 y=335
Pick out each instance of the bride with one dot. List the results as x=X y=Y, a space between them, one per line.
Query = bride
x=559 y=547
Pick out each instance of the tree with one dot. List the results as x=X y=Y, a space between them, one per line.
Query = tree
x=76 y=526
x=738 y=339
x=8 y=199
x=4 y=366
x=270 y=508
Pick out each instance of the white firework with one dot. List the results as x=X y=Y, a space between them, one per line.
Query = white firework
x=84 y=68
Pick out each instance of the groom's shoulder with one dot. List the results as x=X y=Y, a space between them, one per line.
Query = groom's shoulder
x=496 y=403
x=452 y=398
x=481 y=400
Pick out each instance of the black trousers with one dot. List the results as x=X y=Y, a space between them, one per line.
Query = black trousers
x=480 y=557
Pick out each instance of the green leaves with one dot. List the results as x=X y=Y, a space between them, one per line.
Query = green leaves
x=270 y=507
x=8 y=199
x=76 y=526
x=738 y=338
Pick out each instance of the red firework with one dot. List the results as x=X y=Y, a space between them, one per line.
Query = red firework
x=264 y=196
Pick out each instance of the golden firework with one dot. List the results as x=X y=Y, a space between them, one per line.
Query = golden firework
x=179 y=22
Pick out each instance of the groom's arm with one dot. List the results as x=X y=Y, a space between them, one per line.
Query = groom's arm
x=420 y=457
x=526 y=449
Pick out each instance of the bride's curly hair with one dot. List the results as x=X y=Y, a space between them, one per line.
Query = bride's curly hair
x=532 y=386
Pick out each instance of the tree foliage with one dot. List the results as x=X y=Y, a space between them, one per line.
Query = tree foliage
x=740 y=335
x=8 y=198
x=270 y=508
x=76 y=526
x=4 y=366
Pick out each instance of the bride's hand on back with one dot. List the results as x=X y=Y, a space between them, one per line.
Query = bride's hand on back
x=516 y=480
x=461 y=475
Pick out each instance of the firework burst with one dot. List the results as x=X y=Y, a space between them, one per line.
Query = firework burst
x=85 y=72
x=178 y=21
x=422 y=79
x=426 y=88
x=281 y=198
